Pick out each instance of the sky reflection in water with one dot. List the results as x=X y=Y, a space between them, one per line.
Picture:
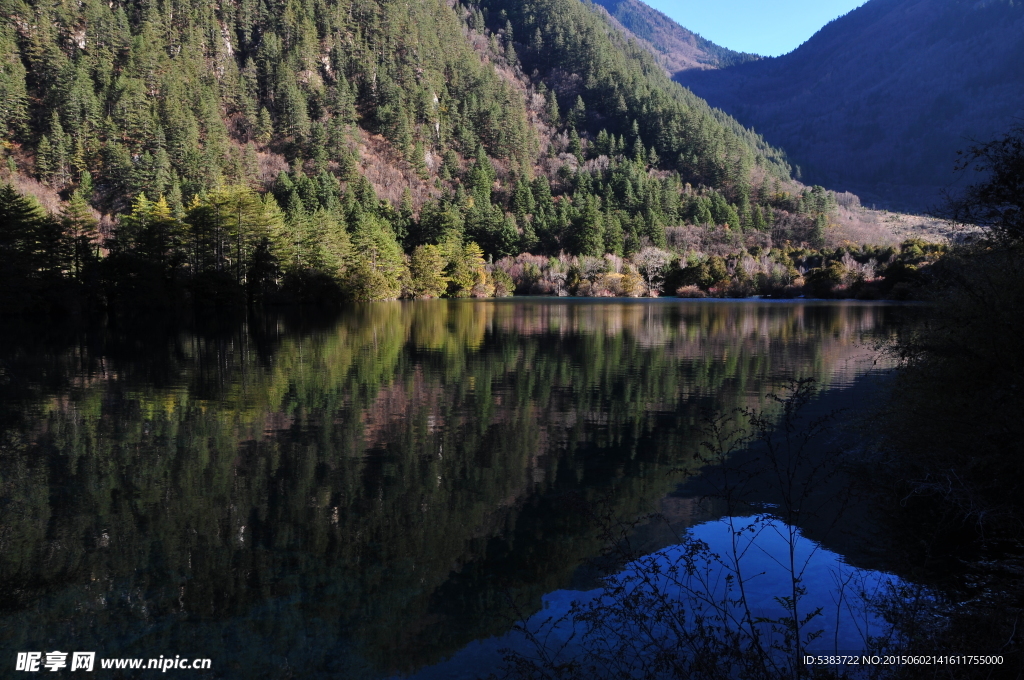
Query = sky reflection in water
x=758 y=549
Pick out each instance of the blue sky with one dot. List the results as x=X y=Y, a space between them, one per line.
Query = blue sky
x=766 y=27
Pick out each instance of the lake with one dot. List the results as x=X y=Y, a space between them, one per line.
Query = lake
x=366 y=497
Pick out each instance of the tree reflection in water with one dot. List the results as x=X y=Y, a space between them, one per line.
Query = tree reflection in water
x=361 y=499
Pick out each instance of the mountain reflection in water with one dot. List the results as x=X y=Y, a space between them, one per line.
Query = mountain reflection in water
x=362 y=500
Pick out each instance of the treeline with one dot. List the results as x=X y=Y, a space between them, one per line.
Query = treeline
x=228 y=248
x=865 y=273
x=232 y=247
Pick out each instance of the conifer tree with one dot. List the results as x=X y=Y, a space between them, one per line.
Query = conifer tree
x=553 y=115
x=44 y=159
x=613 y=236
x=588 y=236
x=80 y=233
x=21 y=220
x=13 y=91
x=575 y=145
x=264 y=129
x=577 y=114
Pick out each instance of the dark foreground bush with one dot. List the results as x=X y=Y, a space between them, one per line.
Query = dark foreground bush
x=309 y=287
x=951 y=463
x=956 y=434
x=216 y=291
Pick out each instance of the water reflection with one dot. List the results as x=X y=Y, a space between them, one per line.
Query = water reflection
x=362 y=499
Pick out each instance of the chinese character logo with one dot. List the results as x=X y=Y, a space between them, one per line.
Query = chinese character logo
x=33 y=662
x=28 y=661
x=83 y=661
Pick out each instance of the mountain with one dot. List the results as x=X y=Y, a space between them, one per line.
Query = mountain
x=675 y=48
x=879 y=101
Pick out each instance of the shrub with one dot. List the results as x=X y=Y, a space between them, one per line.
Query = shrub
x=310 y=286
x=216 y=290
x=690 y=291
x=956 y=425
x=504 y=286
x=822 y=282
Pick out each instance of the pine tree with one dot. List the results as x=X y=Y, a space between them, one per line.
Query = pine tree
x=613 y=236
x=13 y=91
x=554 y=117
x=21 y=220
x=639 y=153
x=575 y=145
x=264 y=130
x=522 y=202
x=757 y=221
x=60 y=167
x=44 y=160
x=652 y=157
x=467 y=276
x=588 y=231
x=820 y=229
x=128 y=234
x=80 y=233
x=537 y=43
x=507 y=240
x=703 y=212
x=577 y=114
x=344 y=102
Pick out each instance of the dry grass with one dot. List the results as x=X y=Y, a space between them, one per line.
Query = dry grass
x=861 y=225
x=270 y=166
x=389 y=173
x=22 y=180
x=47 y=196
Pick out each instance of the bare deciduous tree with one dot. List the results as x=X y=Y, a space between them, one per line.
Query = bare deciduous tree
x=651 y=262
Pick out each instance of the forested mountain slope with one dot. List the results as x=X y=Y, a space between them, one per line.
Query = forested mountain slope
x=879 y=101
x=179 y=97
x=296 y=149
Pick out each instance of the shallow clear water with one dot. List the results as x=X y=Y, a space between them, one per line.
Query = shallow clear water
x=363 y=499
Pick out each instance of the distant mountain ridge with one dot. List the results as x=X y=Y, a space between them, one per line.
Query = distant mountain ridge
x=879 y=101
x=674 y=46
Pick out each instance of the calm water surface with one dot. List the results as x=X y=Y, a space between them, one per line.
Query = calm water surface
x=362 y=500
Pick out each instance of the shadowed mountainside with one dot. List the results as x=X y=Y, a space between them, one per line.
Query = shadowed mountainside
x=879 y=101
